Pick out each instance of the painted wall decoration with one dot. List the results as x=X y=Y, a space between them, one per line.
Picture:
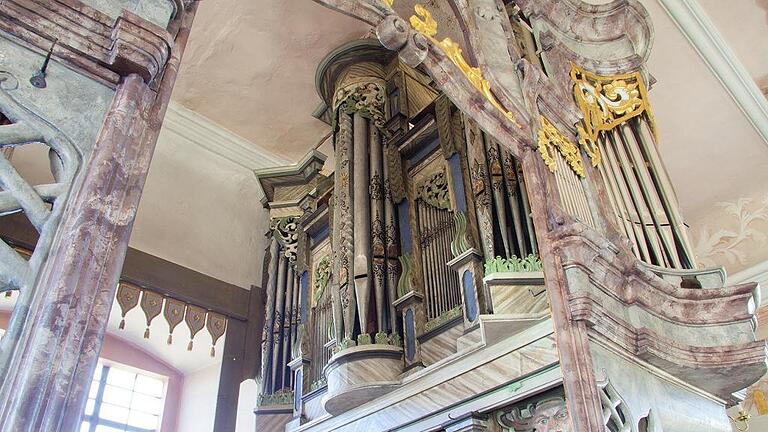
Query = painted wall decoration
x=739 y=239
x=174 y=312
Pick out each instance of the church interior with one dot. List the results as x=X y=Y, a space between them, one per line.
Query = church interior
x=383 y=215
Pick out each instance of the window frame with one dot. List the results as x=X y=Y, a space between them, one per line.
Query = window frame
x=94 y=420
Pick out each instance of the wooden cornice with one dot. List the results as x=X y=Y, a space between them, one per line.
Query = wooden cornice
x=155 y=274
x=89 y=41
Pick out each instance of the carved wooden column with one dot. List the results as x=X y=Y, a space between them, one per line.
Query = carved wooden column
x=57 y=346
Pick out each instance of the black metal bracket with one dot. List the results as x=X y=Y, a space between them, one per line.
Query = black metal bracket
x=38 y=79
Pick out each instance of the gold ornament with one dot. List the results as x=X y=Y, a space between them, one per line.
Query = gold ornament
x=389 y=2
x=424 y=23
x=606 y=102
x=550 y=140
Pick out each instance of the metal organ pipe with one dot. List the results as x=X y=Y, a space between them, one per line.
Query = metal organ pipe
x=269 y=323
x=287 y=319
x=279 y=304
x=377 y=219
x=362 y=227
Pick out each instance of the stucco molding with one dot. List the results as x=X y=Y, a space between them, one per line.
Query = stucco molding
x=757 y=273
x=694 y=23
x=218 y=140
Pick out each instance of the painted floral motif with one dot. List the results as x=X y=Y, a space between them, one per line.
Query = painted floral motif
x=715 y=246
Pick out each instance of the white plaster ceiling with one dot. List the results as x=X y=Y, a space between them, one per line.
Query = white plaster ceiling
x=250 y=67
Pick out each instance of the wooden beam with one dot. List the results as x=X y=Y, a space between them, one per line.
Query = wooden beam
x=153 y=273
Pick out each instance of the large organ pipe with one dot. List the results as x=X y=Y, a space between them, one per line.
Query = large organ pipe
x=278 y=341
x=634 y=219
x=287 y=318
x=390 y=237
x=651 y=200
x=378 y=233
x=636 y=197
x=510 y=178
x=269 y=323
x=344 y=230
x=362 y=227
x=527 y=211
x=661 y=181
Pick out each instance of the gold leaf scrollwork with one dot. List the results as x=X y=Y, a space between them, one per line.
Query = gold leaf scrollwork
x=551 y=140
x=424 y=23
x=606 y=102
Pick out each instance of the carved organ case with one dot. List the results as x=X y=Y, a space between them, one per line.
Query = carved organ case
x=425 y=275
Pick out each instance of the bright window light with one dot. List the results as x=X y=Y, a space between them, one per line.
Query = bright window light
x=123 y=399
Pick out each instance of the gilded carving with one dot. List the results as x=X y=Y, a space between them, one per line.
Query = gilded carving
x=477 y=175
x=550 y=139
x=423 y=23
x=606 y=102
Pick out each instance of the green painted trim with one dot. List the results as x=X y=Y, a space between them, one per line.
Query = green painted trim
x=531 y=263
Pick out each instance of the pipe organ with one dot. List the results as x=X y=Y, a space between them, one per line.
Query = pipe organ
x=433 y=266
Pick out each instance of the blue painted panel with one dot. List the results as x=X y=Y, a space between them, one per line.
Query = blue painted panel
x=319 y=235
x=454 y=162
x=410 y=335
x=304 y=312
x=426 y=147
x=470 y=305
x=297 y=390
x=405 y=228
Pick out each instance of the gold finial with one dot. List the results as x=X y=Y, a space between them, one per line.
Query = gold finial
x=424 y=23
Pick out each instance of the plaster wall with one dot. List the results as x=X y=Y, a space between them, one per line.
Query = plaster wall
x=201 y=211
x=249 y=393
x=713 y=154
x=198 y=400
x=744 y=25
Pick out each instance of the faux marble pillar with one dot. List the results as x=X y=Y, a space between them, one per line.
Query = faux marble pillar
x=470 y=269
x=300 y=370
x=49 y=372
x=411 y=308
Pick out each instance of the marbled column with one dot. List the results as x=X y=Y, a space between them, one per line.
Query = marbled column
x=49 y=372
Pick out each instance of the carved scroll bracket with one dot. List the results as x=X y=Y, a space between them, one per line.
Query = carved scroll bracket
x=606 y=102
